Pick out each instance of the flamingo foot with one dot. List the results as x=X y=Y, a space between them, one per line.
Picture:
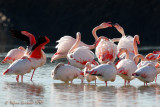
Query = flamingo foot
x=32 y=74
x=17 y=78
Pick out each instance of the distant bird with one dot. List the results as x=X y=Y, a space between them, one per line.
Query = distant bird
x=146 y=73
x=18 y=53
x=126 y=67
x=79 y=56
x=89 y=77
x=66 y=73
x=14 y=54
x=25 y=64
x=106 y=50
x=104 y=72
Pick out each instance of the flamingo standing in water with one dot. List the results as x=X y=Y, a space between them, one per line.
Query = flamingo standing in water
x=145 y=62
x=24 y=65
x=64 y=45
x=104 y=72
x=126 y=67
x=66 y=73
x=79 y=56
x=89 y=77
x=18 y=53
x=14 y=54
x=106 y=50
x=146 y=73
x=127 y=42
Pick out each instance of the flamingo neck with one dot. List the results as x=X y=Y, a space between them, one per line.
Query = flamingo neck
x=127 y=54
x=74 y=46
x=31 y=37
x=94 y=32
x=135 y=46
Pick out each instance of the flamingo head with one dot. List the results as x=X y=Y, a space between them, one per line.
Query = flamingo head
x=58 y=55
x=119 y=28
x=136 y=38
x=21 y=48
x=105 y=24
x=30 y=36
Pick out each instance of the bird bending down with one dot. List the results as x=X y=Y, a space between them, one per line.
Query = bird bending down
x=25 y=64
x=79 y=56
x=146 y=73
x=126 y=67
x=66 y=73
x=89 y=77
x=104 y=72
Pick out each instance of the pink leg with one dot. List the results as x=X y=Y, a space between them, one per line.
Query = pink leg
x=128 y=82
x=106 y=83
x=22 y=78
x=156 y=79
x=17 y=78
x=32 y=74
x=71 y=81
x=144 y=83
x=125 y=82
x=82 y=81
x=95 y=82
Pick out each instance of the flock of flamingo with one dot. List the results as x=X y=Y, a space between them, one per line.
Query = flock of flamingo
x=81 y=63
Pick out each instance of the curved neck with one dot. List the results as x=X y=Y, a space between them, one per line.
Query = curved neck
x=91 y=46
x=137 y=57
x=94 y=32
x=136 y=40
x=78 y=38
x=127 y=54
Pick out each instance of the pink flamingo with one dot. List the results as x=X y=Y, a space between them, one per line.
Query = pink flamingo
x=89 y=77
x=66 y=73
x=126 y=67
x=24 y=65
x=146 y=73
x=104 y=72
x=79 y=56
x=15 y=54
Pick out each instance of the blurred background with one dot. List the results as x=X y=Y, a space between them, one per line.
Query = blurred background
x=56 y=18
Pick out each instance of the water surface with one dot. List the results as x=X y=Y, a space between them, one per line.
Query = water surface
x=44 y=91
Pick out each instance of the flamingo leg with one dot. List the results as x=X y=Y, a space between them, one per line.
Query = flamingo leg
x=156 y=79
x=128 y=82
x=71 y=81
x=144 y=83
x=106 y=83
x=17 y=78
x=22 y=78
x=95 y=82
x=32 y=74
x=125 y=82
x=82 y=81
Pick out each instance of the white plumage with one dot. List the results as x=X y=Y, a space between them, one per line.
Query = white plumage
x=80 y=56
x=106 y=51
x=146 y=73
x=66 y=73
x=104 y=72
x=64 y=45
x=19 y=67
x=14 y=54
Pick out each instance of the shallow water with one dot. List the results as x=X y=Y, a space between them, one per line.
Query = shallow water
x=44 y=91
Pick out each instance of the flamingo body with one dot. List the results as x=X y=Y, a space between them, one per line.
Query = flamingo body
x=13 y=55
x=106 y=51
x=66 y=73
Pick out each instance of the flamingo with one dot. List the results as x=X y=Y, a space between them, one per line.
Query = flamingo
x=126 y=67
x=106 y=50
x=66 y=73
x=127 y=42
x=89 y=77
x=79 y=56
x=25 y=64
x=64 y=45
x=104 y=72
x=14 y=54
x=145 y=62
x=18 y=53
x=146 y=73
